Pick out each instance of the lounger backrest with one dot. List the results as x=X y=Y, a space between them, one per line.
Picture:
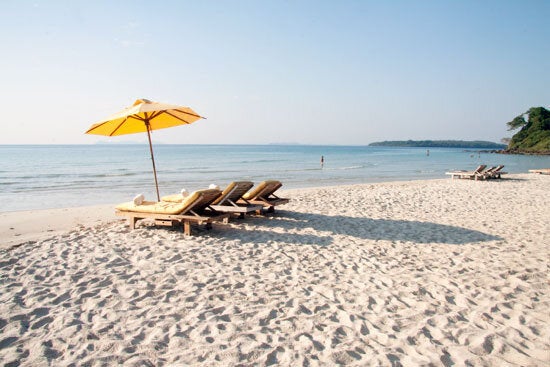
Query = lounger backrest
x=199 y=200
x=480 y=168
x=499 y=168
x=263 y=190
x=233 y=192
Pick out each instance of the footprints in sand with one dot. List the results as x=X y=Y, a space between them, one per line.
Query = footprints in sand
x=288 y=292
x=355 y=305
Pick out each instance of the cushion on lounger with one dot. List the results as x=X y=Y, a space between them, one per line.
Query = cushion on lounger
x=196 y=200
x=200 y=199
x=178 y=198
x=175 y=198
x=226 y=191
x=234 y=191
x=272 y=184
x=161 y=207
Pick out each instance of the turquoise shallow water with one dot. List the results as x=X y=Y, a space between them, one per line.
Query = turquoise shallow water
x=54 y=176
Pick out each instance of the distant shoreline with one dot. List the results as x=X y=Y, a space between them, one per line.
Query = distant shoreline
x=512 y=152
x=477 y=144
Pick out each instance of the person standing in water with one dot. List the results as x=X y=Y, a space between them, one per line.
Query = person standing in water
x=322 y=161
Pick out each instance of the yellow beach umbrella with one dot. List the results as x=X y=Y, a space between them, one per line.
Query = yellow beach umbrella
x=144 y=116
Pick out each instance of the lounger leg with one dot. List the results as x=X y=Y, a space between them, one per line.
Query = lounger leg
x=187 y=228
x=132 y=222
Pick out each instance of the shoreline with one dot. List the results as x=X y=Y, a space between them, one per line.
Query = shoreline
x=21 y=226
x=429 y=272
x=29 y=185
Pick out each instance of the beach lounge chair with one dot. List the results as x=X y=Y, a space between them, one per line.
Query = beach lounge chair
x=194 y=209
x=487 y=173
x=494 y=172
x=230 y=200
x=476 y=174
x=264 y=194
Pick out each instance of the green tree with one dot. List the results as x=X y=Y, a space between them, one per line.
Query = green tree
x=534 y=136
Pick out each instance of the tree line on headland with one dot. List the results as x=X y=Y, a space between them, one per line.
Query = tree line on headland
x=440 y=144
x=534 y=135
x=532 y=138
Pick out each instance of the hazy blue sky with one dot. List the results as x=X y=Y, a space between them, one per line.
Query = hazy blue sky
x=312 y=72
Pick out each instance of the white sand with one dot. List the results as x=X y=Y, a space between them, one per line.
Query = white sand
x=34 y=225
x=443 y=272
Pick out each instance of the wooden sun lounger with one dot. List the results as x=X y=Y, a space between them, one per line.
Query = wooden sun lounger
x=494 y=172
x=475 y=174
x=231 y=200
x=195 y=209
x=264 y=194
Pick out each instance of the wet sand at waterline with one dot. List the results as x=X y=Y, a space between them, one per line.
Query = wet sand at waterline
x=443 y=272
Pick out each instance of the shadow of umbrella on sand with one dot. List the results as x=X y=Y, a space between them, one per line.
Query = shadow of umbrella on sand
x=144 y=116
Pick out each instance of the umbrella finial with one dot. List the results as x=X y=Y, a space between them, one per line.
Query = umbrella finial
x=141 y=100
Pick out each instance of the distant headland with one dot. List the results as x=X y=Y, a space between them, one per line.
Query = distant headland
x=477 y=144
x=534 y=135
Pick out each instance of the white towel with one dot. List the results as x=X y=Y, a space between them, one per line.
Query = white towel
x=184 y=193
x=138 y=200
x=213 y=186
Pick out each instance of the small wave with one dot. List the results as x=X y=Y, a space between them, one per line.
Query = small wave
x=302 y=169
x=213 y=171
x=102 y=175
x=43 y=175
x=260 y=161
x=193 y=168
x=350 y=168
x=9 y=183
x=427 y=171
x=310 y=169
x=346 y=168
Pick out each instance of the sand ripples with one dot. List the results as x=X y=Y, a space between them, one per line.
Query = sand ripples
x=389 y=274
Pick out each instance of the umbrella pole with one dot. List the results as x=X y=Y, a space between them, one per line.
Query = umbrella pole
x=152 y=158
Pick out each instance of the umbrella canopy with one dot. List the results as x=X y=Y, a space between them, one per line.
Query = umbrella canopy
x=144 y=116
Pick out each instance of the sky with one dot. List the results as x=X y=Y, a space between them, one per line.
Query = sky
x=307 y=72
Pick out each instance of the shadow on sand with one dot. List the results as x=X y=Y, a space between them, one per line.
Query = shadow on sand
x=370 y=229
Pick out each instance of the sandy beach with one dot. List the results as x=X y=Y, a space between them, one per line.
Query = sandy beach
x=440 y=272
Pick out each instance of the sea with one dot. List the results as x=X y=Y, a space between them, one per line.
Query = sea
x=58 y=176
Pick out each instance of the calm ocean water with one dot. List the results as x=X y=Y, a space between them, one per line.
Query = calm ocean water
x=55 y=176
